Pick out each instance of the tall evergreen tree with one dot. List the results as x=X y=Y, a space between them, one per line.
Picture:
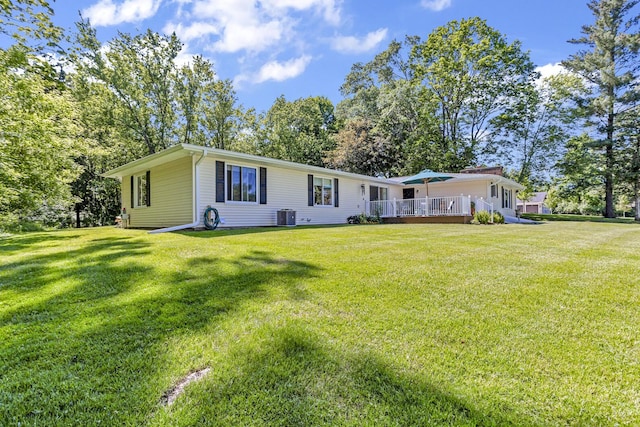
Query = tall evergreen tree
x=610 y=63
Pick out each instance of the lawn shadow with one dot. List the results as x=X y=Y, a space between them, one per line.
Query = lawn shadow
x=222 y=232
x=95 y=349
x=16 y=243
x=295 y=379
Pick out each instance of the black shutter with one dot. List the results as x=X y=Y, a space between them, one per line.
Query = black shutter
x=219 y=182
x=132 y=199
x=148 y=188
x=373 y=193
x=263 y=186
x=310 y=189
x=335 y=189
x=230 y=183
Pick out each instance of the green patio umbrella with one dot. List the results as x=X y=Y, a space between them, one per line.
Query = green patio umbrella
x=426 y=176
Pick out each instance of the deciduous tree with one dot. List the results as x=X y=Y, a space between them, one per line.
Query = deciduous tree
x=469 y=73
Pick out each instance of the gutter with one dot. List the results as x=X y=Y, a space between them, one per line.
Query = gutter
x=196 y=187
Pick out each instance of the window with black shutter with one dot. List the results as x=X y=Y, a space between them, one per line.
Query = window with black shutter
x=141 y=190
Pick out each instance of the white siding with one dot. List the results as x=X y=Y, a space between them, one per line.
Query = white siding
x=286 y=189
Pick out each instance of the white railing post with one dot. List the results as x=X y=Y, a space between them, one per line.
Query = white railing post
x=394 y=207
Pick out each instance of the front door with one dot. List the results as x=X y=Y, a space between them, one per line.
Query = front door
x=408 y=193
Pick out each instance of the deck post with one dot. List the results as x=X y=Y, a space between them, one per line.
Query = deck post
x=394 y=207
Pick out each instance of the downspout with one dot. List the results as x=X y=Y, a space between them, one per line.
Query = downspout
x=196 y=187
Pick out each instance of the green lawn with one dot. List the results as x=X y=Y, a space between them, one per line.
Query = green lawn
x=354 y=325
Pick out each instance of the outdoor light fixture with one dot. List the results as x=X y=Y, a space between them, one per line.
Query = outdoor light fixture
x=362 y=188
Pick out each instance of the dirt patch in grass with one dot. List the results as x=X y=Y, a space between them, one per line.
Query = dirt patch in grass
x=172 y=394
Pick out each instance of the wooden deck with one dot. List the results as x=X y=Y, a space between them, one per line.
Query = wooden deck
x=461 y=219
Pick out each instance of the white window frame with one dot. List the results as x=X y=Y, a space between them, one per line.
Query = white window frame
x=382 y=190
x=229 y=185
x=326 y=192
x=508 y=198
x=493 y=191
x=140 y=190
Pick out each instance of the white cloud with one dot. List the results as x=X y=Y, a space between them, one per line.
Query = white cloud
x=330 y=9
x=350 y=44
x=241 y=25
x=280 y=71
x=551 y=70
x=193 y=31
x=106 y=12
x=254 y=38
x=436 y=5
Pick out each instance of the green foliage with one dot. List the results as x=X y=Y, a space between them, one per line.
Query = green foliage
x=139 y=72
x=482 y=217
x=28 y=22
x=431 y=102
x=531 y=131
x=364 y=219
x=610 y=65
x=37 y=141
x=360 y=148
x=498 y=218
x=469 y=74
x=299 y=131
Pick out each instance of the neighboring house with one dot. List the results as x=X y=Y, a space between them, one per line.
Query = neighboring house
x=173 y=188
x=535 y=204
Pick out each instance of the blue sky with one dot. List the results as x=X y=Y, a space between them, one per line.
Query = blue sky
x=300 y=48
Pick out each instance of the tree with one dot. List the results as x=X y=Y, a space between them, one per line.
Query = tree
x=140 y=72
x=469 y=73
x=299 y=131
x=611 y=65
x=222 y=118
x=530 y=133
x=28 y=23
x=580 y=175
x=36 y=114
x=361 y=149
x=37 y=142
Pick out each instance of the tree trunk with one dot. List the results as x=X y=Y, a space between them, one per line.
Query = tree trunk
x=609 y=211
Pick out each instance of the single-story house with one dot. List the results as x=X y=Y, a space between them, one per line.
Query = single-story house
x=535 y=204
x=172 y=189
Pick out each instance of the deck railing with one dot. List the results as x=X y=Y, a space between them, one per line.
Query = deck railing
x=427 y=206
x=483 y=205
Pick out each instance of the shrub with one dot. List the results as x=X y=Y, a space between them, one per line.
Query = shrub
x=498 y=218
x=364 y=219
x=482 y=217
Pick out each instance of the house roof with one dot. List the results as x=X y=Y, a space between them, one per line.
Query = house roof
x=184 y=150
x=538 y=197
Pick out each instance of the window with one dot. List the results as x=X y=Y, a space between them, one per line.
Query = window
x=494 y=191
x=241 y=184
x=140 y=190
x=322 y=191
x=377 y=193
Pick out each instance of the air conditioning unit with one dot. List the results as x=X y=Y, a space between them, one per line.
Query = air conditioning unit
x=286 y=217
